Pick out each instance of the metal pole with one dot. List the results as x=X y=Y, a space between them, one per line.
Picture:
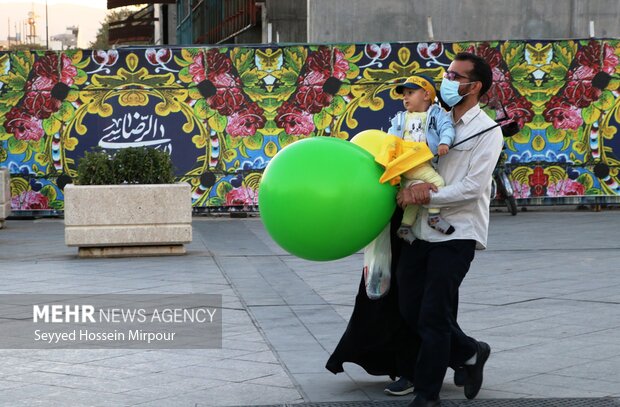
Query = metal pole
x=47 y=36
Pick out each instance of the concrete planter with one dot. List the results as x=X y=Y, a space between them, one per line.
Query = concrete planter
x=128 y=220
x=5 y=195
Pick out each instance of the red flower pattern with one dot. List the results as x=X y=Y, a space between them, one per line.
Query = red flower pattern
x=538 y=182
x=578 y=93
x=244 y=116
x=295 y=115
x=24 y=121
x=502 y=94
x=246 y=121
x=23 y=125
x=242 y=196
x=30 y=200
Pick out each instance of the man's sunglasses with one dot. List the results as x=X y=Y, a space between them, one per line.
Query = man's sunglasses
x=451 y=76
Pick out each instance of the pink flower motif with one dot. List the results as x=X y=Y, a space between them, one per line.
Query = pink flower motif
x=582 y=73
x=158 y=56
x=376 y=51
x=562 y=114
x=341 y=65
x=566 y=187
x=581 y=93
x=224 y=80
x=610 y=60
x=314 y=78
x=41 y=83
x=30 y=200
x=246 y=121
x=242 y=196
x=498 y=75
x=520 y=190
x=40 y=104
x=197 y=69
x=105 y=57
x=227 y=101
x=294 y=120
x=68 y=71
x=312 y=99
x=573 y=188
x=23 y=125
x=432 y=50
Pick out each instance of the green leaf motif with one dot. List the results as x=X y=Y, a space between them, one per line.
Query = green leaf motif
x=254 y=142
x=558 y=71
x=49 y=192
x=513 y=52
x=201 y=109
x=322 y=120
x=339 y=106
x=51 y=125
x=218 y=122
x=295 y=57
x=243 y=58
x=554 y=135
x=16 y=82
x=249 y=77
x=285 y=139
x=590 y=114
x=223 y=188
x=17 y=146
x=563 y=52
x=56 y=204
x=243 y=151
x=520 y=72
x=216 y=201
x=289 y=77
x=606 y=101
x=585 y=180
x=66 y=112
x=22 y=63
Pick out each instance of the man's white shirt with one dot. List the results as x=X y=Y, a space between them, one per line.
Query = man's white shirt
x=467 y=171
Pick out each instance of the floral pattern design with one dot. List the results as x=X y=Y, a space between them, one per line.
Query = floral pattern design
x=25 y=120
x=296 y=114
x=564 y=109
x=502 y=94
x=241 y=105
x=244 y=117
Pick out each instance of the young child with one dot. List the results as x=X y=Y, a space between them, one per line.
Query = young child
x=422 y=121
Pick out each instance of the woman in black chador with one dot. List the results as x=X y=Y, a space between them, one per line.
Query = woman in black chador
x=377 y=338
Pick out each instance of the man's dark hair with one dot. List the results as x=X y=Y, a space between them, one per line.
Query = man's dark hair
x=481 y=72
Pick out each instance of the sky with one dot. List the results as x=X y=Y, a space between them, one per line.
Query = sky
x=86 y=14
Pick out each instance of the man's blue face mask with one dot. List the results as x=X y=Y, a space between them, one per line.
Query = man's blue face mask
x=449 y=89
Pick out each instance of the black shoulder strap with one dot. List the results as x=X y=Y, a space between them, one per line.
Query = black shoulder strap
x=477 y=134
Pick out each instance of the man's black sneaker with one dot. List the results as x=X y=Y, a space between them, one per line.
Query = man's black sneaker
x=400 y=387
x=473 y=382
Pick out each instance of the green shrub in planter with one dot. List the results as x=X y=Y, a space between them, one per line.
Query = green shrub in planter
x=127 y=166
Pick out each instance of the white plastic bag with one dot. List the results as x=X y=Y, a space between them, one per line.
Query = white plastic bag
x=377 y=262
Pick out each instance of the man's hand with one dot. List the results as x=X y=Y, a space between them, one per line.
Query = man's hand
x=442 y=149
x=417 y=194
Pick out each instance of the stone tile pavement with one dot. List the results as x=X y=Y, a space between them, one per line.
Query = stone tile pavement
x=545 y=295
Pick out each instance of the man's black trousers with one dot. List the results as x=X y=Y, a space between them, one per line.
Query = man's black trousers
x=429 y=276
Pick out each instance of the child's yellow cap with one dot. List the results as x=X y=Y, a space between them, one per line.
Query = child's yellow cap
x=418 y=82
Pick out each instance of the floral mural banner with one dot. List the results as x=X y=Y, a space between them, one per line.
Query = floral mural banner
x=222 y=113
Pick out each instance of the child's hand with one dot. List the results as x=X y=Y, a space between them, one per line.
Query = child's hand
x=442 y=149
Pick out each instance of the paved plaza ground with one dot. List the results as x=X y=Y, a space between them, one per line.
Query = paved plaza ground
x=545 y=295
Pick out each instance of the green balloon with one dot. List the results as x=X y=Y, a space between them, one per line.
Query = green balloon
x=320 y=198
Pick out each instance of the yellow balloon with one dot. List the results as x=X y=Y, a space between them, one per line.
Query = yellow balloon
x=370 y=140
